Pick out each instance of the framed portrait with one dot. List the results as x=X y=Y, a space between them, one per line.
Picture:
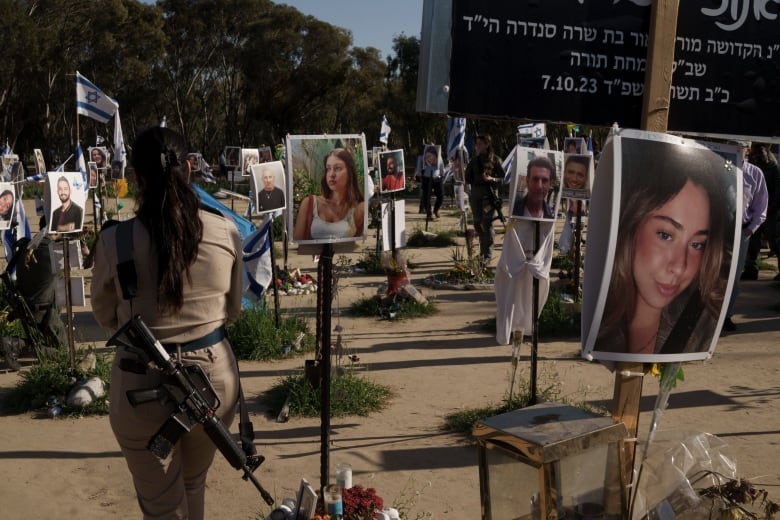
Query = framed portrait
x=391 y=171
x=117 y=170
x=66 y=194
x=100 y=156
x=575 y=145
x=7 y=204
x=540 y=143
x=196 y=162
x=266 y=155
x=577 y=175
x=10 y=160
x=232 y=157
x=268 y=186
x=40 y=164
x=249 y=157
x=329 y=176
x=663 y=224
x=535 y=190
x=92 y=175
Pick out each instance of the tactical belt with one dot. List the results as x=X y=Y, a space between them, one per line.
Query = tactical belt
x=212 y=338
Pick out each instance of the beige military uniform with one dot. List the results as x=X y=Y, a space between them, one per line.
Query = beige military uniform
x=174 y=487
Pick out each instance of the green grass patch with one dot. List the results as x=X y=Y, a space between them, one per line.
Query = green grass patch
x=559 y=319
x=349 y=395
x=548 y=389
x=53 y=376
x=255 y=335
x=401 y=308
x=763 y=265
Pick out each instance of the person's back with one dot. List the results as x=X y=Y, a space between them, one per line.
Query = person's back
x=188 y=272
x=35 y=282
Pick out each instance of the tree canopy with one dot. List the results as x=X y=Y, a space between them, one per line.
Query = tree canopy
x=223 y=72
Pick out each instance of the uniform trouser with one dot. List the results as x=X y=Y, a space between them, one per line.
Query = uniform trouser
x=436 y=186
x=768 y=231
x=483 y=223
x=173 y=488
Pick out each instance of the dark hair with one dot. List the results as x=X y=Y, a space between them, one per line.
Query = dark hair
x=8 y=192
x=167 y=206
x=665 y=169
x=541 y=161
x=579 y=159
x=353 y=195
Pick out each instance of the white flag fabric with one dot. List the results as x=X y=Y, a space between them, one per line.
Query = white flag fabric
x=532 y=129
x=20 y=228
x=384 y=132
x=509 y=165
x=80 y=164
x=258 y=271
x=92 y=102
x=120 y=153
x=207 y=173
x=456 y=134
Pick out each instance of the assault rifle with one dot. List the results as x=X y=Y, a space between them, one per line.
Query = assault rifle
x=495 y=202
x=196 y=401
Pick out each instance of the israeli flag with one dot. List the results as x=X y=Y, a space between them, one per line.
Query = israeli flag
x=509 y=165
x=207 y=174
x=258 y=270
x=92 y=102
x=80 y=164
x=120 y=153
x=384 y=132
x=456 y=134
x=20 y=227
x=244 y=226
x=532 y=130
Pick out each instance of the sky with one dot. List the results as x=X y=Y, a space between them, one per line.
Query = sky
x=373 y=23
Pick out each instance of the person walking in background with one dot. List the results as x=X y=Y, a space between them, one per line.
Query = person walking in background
x=766 y=161
x=431 y=174
x=189 y=277
x=483 y=174
x=754 y=204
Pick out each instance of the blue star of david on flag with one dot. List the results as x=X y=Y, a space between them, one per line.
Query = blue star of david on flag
x=92 y=102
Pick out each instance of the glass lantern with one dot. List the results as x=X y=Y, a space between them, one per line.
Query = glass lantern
x=550 y=461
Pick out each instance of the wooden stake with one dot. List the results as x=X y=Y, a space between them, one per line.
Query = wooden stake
x=655 y=118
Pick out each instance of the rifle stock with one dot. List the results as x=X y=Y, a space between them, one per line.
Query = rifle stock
x=186 y=387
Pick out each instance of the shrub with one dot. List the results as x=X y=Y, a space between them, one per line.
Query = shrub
x=53 y=376
x=349 y=395
x=255 y=335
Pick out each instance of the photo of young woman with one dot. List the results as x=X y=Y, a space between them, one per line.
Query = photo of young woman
x=672 y=256
x=335 y=167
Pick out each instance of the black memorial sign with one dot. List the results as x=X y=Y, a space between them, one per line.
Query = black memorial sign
x=726 y=72
x=585 y=61
x=554 y=60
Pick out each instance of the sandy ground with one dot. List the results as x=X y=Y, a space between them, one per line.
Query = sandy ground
x=67 y=468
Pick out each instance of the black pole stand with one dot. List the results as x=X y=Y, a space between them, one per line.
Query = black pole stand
x=535 y=328
x=274 y=275
x=324 y=301
x=577 y=251
x=68 y=306
x=391 y=225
